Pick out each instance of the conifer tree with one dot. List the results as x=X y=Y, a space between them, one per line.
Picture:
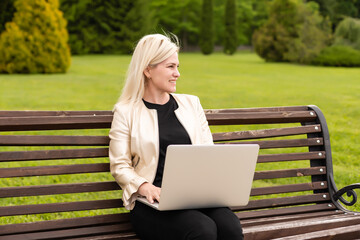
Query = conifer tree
x=36 y=40
x=230 y=36
x=206 y=28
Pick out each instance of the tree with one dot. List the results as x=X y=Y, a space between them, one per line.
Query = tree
x=36 y=40
x=314 y=34
x=206 y=28
x=326 y=7
x=271 y=40
x=245 y=14
x=250 y=16
x=347 y=33
x=295 y=32
x=345 y=8
x=179 y=17
x=110 y=27
x=7 y=10
x=230 y=34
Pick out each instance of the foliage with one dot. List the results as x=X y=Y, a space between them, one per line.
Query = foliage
x=207 y=33
x=36 y=40
x=102 y=27
x=7 y=10
x=347 y=33
x=230 y=34
x=314 y=34
x=338 y=56
x=326 y=7
x=105 y=26
x=245 y=14
x=272 y=39
x=295 y=32
x=260 y=10
x=344 y=8
x=179 y=17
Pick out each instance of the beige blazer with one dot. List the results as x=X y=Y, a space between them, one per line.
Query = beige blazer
x=134 y=141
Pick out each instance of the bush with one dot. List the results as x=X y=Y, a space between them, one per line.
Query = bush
x=36 y=40
x=294 y=32
x=347 y=33
x=338 y=56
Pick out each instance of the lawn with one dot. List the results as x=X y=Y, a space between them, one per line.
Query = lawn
x=243 y=80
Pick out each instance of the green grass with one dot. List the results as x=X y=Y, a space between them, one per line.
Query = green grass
x=243 y=80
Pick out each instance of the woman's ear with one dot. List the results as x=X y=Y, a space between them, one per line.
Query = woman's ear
x=147 y=72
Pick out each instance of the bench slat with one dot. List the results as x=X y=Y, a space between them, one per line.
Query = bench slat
x=284 y=201
x=260 y=117
x=29 y=113
x=92 y=231
x=260 y=109
x=32 y=113
x=289 y=217
x=104 y=152
x=25 y=140
x=60 y=207
x=283 y=143
x=54 y=170
x=291 y=156
x=54 y=123
x=299 y=172
x=58 y=189
x=293 y=228
x=110 y=186
x=104 y=121
x=266 y=133
x=117 y=203
x=118 y=236
x=336 y=232
x=285 y=211
x=53 y=154
x=288 y=188
x=64 y=223
x=4 y=113
x=104 y=167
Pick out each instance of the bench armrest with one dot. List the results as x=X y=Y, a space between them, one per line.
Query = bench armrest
x=349 y=190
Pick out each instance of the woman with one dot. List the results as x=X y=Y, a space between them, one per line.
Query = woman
x=148 y=118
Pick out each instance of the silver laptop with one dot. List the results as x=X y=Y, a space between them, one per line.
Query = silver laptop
x=202 y=176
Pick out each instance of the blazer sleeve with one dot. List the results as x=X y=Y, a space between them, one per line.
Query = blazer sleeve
x=121 y=159
x=206 y=135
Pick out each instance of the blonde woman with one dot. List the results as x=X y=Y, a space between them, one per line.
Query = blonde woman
x=148 y=117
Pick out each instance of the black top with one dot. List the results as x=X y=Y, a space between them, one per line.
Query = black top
x=171 y=132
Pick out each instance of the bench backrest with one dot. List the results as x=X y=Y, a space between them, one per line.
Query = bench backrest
x=57 y=162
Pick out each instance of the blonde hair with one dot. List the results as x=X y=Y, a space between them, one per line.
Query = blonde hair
x=150 y=50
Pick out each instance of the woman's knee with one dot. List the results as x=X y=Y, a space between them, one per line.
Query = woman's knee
x=228 y=225
x=203 y=229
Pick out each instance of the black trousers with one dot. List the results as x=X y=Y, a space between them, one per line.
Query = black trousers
x=207 y=224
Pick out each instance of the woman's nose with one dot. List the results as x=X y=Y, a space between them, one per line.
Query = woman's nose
x=177 y=73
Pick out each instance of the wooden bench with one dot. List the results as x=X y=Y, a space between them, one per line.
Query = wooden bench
x=55 y=181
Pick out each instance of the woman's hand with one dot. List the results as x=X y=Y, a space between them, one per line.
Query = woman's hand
x=150 y=191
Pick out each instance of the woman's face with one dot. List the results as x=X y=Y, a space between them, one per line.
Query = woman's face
x=162 y=78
